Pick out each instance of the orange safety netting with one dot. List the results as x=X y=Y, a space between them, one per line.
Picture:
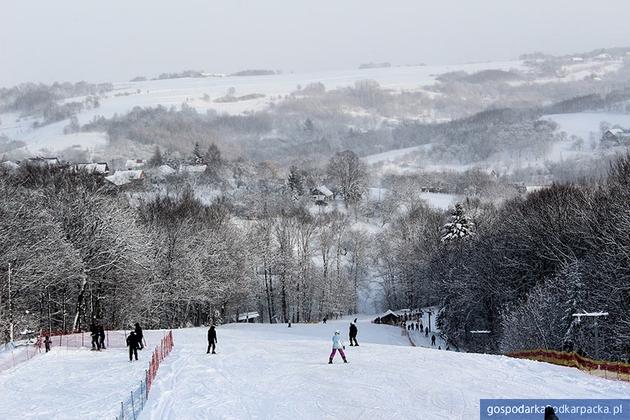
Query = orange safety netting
x=601 y=368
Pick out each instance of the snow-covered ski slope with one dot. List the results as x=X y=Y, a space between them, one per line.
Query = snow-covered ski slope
x=274 y=372
x=72 y=383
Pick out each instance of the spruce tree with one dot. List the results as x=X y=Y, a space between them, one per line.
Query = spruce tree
x=296 y=184
x=213 y=155
x=458 y=228
x=156 y=159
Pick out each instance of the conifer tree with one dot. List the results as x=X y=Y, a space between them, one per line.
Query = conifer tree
x=458 y=228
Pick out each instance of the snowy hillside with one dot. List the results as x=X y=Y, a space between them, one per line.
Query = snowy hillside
x=271 y=371
x=202 y=94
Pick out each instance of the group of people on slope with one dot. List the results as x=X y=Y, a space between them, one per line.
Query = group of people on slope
x=338 y=345
x=97 y=332
x=135 y=341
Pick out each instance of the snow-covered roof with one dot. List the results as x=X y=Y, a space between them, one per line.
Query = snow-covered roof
x=389 y=312
x=193 y=168
x=323 y=190
x=11 y=166
x=134 y=163
x=50 y=161
x=99 y=167
x=125 y=177
x=248 y=315
x=166 y=170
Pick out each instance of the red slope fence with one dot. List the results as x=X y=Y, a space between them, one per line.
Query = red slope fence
x=12 y=356
x=604 y=369
x=114 y=339
x=133 y=405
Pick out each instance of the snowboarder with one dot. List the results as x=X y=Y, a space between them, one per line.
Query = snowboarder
x=421 y=327
x=94 y=335
x=433 y=340
x=139 y=336
x=426 y=331
x=47 y=342
x=337 y=345
x=353 y=334
x=324 y=320
x=132 y=343
x=417 y=326
x=101 y=337
x=550 y=414
x=212 y=339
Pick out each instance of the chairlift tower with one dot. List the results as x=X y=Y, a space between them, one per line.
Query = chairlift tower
x=595 y=316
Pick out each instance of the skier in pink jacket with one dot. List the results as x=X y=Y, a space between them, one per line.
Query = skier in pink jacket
x=337 y=345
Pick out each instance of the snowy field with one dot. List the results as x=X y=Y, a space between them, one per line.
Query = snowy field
x=175 y=92
x=275 y=372
x=586 y=124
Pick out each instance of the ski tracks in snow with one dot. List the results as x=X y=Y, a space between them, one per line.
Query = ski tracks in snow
x=272 y=372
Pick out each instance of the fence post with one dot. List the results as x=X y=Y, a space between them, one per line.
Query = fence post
x=133 y=407
x=122 y=411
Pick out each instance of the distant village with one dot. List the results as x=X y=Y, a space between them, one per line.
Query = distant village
x=134 y=176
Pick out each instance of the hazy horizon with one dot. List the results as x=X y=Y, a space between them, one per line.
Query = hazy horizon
x=73 y=40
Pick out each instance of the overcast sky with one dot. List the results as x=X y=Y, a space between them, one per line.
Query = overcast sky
x=114 y=40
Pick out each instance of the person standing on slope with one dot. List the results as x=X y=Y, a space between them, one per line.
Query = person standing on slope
x=337 y=345
x=433 y=340
x=212 y=339
x=353 y=333
x=101 y=337
x=94 y=335
x=132 y=343
x=139 y=336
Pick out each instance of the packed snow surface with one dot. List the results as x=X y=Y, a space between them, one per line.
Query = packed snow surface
x=275 y=372
x=266 y=371
x=73 y=383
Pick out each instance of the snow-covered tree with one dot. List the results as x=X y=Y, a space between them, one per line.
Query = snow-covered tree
x=156 y=159
x=458 y=227
x=349 y=175
x=295 y=182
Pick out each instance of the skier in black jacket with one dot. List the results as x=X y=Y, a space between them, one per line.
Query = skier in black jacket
x=139 y=336
x=132 y=343
x=101 y=337
x=212 y=339
x=353 y=334
x=94 y=335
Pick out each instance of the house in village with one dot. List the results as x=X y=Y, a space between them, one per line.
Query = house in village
x=616 y=137
x=135 y=164
x=44 y=161
x=10 y=166
x=322 y=195
x=126 y=178
x=96 y=168
x=192 y=169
